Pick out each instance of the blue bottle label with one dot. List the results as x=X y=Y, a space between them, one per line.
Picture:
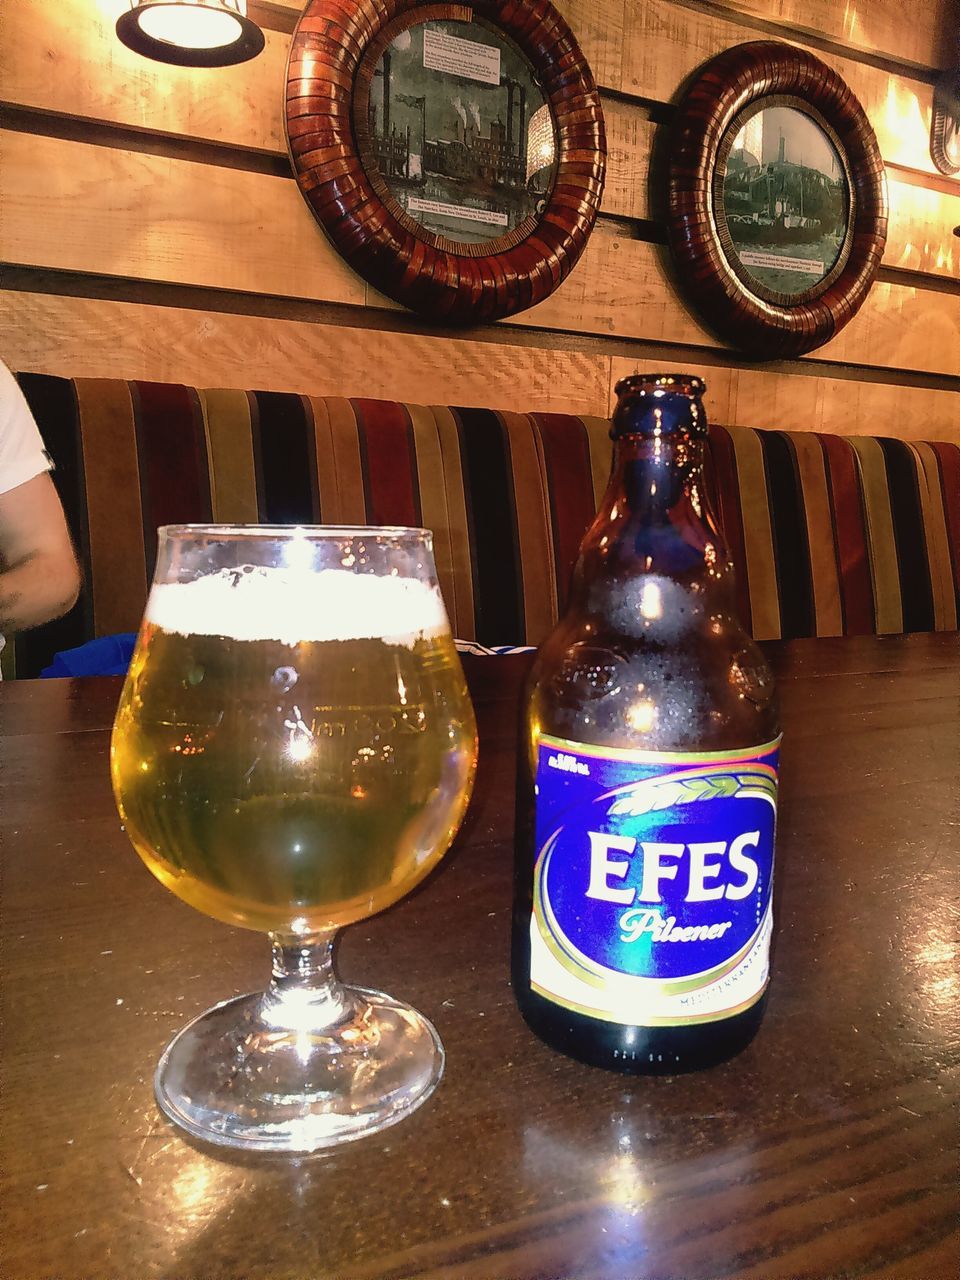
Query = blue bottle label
x=653 y=881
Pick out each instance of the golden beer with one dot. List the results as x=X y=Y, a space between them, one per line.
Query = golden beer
x=293 y=766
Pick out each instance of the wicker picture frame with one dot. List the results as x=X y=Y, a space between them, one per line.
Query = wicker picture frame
x=945 y=123
x=717 y=105
x=337 y=50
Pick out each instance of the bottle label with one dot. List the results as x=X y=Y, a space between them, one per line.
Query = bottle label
x=653 y=881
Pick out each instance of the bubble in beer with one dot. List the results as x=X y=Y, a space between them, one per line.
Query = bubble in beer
x=284 y=678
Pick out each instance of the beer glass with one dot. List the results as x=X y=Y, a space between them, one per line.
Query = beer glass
x=293 y=751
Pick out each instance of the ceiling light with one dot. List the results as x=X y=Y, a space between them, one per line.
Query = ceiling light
x=191 y=33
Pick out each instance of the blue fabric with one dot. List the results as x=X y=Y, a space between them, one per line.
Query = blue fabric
x=110 y=656
x=486 y=651
x=105 y=656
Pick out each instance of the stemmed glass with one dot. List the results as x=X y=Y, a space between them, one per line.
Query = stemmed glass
x=293 y=751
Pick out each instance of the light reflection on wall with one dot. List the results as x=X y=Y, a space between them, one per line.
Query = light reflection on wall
x=927 y=216
x=903 y=118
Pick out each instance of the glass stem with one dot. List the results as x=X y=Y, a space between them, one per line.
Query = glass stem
x=304 y=993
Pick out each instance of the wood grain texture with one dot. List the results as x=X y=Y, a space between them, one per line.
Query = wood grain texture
x=666 y=42
x=165 y=344
x=920 y=236
x=73 y=205
x=45 y=333
x=65 y=58
x=794 y=402
x=902 y=327
x=524 y=1164
x=94 y=209
x=624 y=288
x=600 y=26
x=920 y=229
x=631 y=136
x=872 y=26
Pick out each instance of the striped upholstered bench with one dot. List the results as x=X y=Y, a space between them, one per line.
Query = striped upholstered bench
x=832 y=535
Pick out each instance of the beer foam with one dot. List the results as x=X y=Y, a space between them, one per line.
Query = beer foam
x=290 y=605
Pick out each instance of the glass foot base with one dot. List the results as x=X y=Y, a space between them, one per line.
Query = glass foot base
x=232 y=1078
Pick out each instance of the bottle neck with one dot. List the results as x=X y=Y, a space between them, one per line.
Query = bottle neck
x=656 y=518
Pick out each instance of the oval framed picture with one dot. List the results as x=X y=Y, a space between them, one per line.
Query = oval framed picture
x=777 y=194
x=453 y=154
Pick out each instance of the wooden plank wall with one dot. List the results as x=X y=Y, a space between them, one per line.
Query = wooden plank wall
x=150 y=227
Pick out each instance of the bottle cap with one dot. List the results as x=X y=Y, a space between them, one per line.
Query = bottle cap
x=661 y=404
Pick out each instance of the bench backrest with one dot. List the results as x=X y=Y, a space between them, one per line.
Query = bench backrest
x=832 y=535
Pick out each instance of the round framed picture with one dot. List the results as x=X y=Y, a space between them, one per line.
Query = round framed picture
x=453 y=154
x=777 y=199
x=945 y=122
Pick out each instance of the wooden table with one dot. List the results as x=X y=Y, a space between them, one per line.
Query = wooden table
x=826 y=1149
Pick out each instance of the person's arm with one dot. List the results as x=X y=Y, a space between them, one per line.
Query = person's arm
x=39 y=578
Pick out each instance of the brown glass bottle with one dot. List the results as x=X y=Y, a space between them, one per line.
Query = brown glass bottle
x=649 y=657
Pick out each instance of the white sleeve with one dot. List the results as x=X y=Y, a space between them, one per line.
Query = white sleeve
x=22 y=455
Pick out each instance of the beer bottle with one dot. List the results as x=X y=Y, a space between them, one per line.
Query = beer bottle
x=648 y=773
